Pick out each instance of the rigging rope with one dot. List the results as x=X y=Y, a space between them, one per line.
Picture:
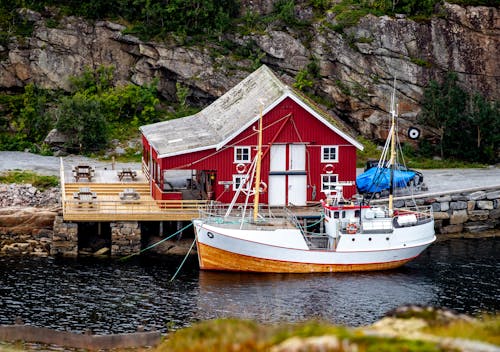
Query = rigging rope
x=317 y=222
x=185 y=257
x=157 y=243
x=190 y=164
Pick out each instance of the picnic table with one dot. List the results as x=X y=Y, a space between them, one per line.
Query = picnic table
x=127 y=172
x=129 y=194
x=85 y=196
x=83 y=171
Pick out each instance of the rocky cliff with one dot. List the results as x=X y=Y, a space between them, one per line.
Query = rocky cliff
x=356 y=65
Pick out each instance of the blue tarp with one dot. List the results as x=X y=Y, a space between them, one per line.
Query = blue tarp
x=377 y=179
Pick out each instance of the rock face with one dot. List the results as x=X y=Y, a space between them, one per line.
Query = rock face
x=356 y=67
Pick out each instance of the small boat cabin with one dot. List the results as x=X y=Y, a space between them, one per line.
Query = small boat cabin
x=305 y=151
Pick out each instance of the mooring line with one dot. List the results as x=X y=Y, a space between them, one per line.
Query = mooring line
x=185 y=257
x=157 y=243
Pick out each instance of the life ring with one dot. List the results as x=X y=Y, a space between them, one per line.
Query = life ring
x=241 y=168
x=352 y=228
x=263 y=187
x=328 y=168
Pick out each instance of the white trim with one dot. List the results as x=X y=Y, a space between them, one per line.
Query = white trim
x=288 y=93
x=336 y=160
x=328 y=124
x=250 y=122
x=329 y=183
x=242 y=178
x=185 y=151
x=249 y=153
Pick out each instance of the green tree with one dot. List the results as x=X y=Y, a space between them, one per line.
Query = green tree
x=36 y=123
x=443 y=109
x=485 y=117
x=467 y=127
x=182 y=93
x=82 y=121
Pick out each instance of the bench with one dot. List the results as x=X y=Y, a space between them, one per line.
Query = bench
x=127 y=172
x=83 y=171
x=129 y=194
x=85 y=196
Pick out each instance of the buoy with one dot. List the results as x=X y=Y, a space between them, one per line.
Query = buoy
x=328 y=168
x=241 y=168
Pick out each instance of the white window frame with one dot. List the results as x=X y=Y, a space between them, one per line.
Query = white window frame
x=237 y=179
x=328 y=159
x=330 y=184
x=242 y=151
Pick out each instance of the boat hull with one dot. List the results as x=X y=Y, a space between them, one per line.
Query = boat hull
x=211 y=258
x=240 y=250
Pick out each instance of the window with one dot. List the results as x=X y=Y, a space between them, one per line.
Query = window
x=237 y=180
x=241 y=154
x=328 y=182
x=329 y=153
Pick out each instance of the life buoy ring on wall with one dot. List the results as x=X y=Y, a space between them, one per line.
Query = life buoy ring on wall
x=352 y=228
x=241 y=168
x=263 y=187
x=328 y=168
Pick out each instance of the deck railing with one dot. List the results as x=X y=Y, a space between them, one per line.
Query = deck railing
x=131 y=209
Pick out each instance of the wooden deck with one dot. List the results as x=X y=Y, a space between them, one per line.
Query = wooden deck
x=107 y=205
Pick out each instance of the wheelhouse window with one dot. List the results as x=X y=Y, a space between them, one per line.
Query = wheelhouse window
x=238 y=180
x=241 y=154
x=329 y=153
x=328 y=182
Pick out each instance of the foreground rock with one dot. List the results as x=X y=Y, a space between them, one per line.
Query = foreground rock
x=421 y=329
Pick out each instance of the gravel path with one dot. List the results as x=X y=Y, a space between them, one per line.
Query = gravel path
x=436 y=179
x=49 y=165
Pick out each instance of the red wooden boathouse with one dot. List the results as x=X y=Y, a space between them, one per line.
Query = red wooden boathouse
x=306 y=152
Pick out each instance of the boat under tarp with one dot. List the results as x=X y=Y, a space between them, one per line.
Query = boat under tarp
x=378 y=179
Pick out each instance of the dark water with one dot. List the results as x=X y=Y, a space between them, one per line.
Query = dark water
x=115 y=297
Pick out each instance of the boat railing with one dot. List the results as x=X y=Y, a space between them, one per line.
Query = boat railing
x=216 y=212
x=423 y=213
x=314 y=240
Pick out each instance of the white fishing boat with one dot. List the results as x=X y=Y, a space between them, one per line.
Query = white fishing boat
x=345 y=235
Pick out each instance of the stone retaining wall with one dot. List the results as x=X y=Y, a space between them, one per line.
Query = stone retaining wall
x=42 y=232
x=125 y=238
x=64 y=238
x=471 y=212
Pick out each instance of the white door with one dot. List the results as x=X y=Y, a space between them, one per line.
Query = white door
x=297 y=157
x=297 y=183
x=297 y=189
x=278 y=157
x=277 y=183
x=287 y=179
x=276 y=190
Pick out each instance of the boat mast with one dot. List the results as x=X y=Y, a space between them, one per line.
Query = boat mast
x=393 y=148
x=257 y=170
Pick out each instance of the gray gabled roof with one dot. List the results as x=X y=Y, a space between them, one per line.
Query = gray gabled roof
x=226 y=117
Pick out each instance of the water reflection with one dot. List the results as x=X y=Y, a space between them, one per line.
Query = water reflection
x=114 y=297
x=350 y=299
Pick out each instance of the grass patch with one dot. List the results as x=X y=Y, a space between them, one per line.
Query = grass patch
x=38 y=181
x=486 y=329
x=241 y=335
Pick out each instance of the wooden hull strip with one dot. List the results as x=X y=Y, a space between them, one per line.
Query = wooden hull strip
x=211 y=258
